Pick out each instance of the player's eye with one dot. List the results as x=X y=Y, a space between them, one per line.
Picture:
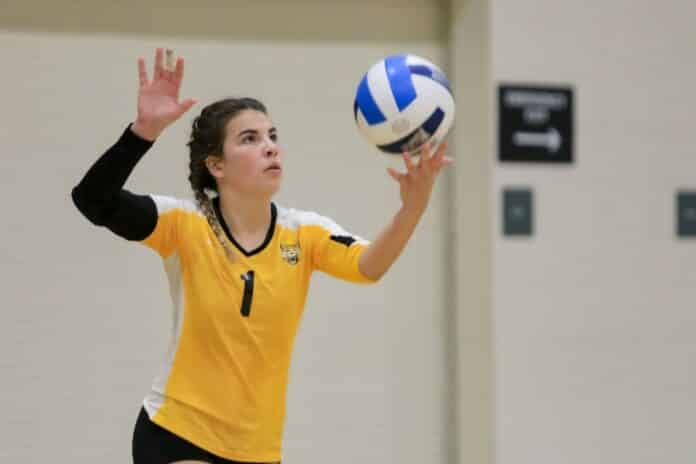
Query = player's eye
x=274 y=137
x=249 y=138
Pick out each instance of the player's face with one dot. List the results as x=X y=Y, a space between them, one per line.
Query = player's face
x=252 y=159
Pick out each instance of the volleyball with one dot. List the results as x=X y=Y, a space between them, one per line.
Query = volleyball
x=402 y=102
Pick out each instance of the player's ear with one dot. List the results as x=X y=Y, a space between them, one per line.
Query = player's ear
x=214 y=165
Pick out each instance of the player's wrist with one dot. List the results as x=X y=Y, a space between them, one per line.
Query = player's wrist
x=145 y=131
x=410 y=213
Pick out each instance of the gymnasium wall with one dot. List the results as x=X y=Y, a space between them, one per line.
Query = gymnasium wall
x=86 y=315
x=593 y=316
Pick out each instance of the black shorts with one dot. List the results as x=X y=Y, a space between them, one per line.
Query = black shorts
x=153 y=444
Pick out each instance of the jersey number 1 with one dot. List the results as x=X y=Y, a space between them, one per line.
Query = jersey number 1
x=248 y=279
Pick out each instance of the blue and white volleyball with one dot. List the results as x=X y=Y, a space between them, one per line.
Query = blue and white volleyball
x=402 y=102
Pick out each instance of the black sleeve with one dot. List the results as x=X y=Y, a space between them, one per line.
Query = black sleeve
x=100 y=196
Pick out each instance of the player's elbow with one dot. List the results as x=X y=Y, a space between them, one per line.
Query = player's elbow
x=93 y=211
x=371 y=274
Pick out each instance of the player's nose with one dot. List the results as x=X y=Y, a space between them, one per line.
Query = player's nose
x=271 y=149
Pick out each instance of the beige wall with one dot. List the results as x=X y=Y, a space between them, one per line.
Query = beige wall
x=86 y=315
x=576 y=345
x=594 y=316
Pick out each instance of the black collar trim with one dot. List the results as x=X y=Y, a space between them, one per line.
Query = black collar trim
x=269 y=234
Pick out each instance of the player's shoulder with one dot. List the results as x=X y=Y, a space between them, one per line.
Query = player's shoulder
x=316 y=225
x=167 y=203
x=293 y=218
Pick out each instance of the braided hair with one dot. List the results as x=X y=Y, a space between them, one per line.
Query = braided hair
x=207 y=139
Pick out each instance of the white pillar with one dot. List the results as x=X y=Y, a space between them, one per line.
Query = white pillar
x=471 y=245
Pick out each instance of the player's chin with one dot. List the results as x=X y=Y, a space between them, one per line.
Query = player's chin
x=272 y=185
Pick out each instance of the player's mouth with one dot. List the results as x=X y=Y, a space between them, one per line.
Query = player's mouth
x=274 y=167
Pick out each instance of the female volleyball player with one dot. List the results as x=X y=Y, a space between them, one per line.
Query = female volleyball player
x=238 y=267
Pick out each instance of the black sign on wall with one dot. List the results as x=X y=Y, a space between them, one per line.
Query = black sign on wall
x=535 y=124
x=686 y=213
x=518 y=212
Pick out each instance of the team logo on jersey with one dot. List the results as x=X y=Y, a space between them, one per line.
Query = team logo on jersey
x=290 y=253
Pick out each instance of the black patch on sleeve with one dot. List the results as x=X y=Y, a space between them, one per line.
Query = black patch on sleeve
x=346 y=240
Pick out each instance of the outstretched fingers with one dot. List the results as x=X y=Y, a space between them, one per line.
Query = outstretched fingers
x=425 y=161
x=396 y=175
x=425 y=153
x=408 y=161
x=179 y=71
x=169 y=61
x=185 y=105
x=159 y=64
x=142 y=72
x=440 y=154
x=435 y=162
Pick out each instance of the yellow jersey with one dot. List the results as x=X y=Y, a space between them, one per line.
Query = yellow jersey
x=224 y=380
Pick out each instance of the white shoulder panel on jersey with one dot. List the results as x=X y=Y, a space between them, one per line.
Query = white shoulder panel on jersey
x=167 y=203
x=293 y=219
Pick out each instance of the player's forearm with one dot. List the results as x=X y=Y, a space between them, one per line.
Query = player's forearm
x=100 y=196
x=386 y=248
x=105 y=178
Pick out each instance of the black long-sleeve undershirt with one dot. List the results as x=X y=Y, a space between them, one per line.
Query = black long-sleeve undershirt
x=100 y=195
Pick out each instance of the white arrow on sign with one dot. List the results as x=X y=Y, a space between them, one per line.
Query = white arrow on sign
x=551 y=140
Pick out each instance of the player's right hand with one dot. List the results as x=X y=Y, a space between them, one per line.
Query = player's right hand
x=158 y=99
